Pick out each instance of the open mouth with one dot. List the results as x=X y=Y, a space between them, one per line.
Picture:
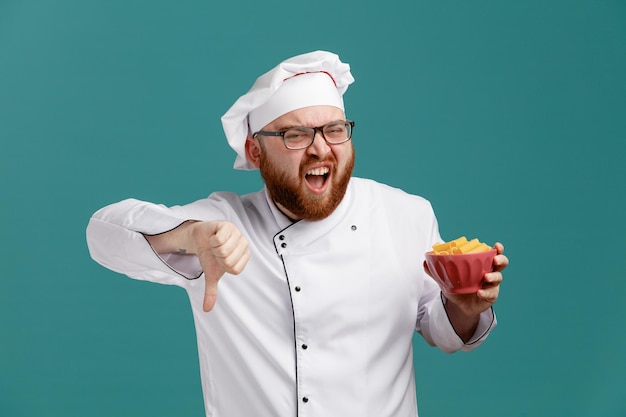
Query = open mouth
x=316 y=178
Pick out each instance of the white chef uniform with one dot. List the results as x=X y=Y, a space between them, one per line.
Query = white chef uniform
x=321 y=320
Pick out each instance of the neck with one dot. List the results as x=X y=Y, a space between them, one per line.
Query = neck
x=286 y=212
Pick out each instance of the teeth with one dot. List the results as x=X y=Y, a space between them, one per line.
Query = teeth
x=318 y=171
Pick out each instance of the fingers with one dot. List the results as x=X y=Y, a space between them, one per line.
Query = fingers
x=230 y=248
x=492 y=280
x=223 y=249
x=489 y=295
x=500 y=262
x=491 y=287
x=499 y=247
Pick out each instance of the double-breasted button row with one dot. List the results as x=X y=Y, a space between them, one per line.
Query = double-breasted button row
x=283 y=244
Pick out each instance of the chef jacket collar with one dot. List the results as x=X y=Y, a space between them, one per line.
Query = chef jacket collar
x=324 y=225
x=282 y=221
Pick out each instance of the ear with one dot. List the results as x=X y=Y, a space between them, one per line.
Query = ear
x=253 y=151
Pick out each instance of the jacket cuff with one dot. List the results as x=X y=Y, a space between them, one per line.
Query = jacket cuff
x=486 y=322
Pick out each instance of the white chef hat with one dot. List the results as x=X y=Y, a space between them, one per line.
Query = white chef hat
x=312 y=79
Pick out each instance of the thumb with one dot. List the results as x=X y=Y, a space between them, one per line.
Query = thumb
x=212 y=274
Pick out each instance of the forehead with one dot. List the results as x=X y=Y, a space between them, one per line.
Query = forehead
x=308 y=116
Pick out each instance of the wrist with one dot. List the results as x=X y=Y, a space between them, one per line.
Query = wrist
x=190 y=232
x=459 y=310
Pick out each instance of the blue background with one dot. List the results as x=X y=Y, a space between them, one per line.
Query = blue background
x=510 y=117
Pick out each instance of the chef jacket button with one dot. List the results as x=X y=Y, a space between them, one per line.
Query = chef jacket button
x=305 y=399
x=283 y=245
x=281 y=237
x=297 y=289
x=305 y=346
x=353 y=227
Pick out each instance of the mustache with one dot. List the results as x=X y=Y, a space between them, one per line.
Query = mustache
x=309 y=160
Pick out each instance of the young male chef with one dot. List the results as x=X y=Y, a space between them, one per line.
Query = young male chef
x=321 y=277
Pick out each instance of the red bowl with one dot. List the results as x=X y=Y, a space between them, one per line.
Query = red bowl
x=460 y=273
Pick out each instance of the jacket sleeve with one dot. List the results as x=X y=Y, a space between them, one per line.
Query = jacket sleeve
x=432 y=320
x=115 y=238
x=433 y=324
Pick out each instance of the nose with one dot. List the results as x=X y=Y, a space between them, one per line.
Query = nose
x=319 y=146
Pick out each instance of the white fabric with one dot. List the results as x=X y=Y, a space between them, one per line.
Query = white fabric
x=351 y=287
x=236 y=120
x=299 y=91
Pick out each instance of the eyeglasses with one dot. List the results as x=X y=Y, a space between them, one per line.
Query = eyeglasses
x=301 y=137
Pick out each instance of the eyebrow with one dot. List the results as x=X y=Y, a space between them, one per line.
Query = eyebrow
x=291 y=126
x=287 y=127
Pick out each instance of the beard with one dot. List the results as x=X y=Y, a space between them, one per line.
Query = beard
x=293 y=194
